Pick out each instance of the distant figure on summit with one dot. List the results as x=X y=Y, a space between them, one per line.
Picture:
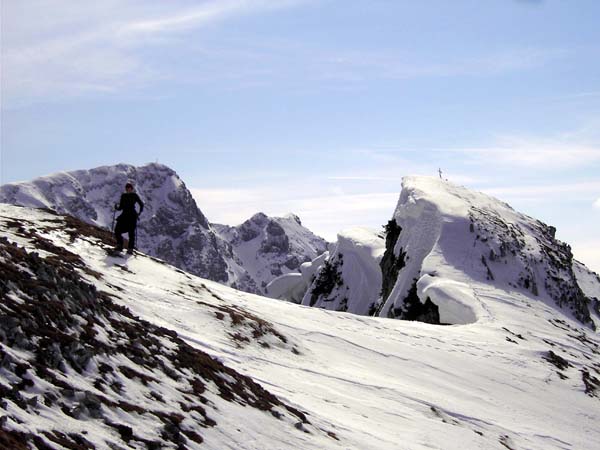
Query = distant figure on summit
x=127 y=221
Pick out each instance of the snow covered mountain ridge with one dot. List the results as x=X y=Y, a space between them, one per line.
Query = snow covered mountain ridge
x=444 y=247
x=105 y=353
x=451 y=239
x=172 y=227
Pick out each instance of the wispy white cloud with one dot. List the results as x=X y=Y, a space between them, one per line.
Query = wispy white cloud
x=597 y=203
x=204 y=14
x=525 y=152
x=588 y=94
x=362 y=178
x=80 y=48
x=58 y=49
x=541 y=155
x=201 y=15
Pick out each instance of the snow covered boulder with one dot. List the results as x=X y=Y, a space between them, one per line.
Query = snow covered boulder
x=292 y=286
x=350 y=279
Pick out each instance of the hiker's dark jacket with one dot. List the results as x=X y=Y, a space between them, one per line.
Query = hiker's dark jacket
x=127 y=205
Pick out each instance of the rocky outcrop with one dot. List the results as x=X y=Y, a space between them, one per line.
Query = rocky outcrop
x=349 y=280
x=293 y=286
x=541 y=262
x=390 y=263
x=327 y=279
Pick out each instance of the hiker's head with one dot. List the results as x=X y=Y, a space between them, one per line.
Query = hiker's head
x=129 y=187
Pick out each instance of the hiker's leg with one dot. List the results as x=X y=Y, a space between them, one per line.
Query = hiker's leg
x=118 y=235
x=131 y=245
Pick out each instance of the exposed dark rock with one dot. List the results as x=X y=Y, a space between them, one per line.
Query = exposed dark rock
x=292 y=263
x=390 y=263
x=504 y=240
x=413 y=309
x=557 y=360
x=591 y=383
x=276 y=240
x=329 y=277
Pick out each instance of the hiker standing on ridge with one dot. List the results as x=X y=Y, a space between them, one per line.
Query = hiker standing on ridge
x=127 y=221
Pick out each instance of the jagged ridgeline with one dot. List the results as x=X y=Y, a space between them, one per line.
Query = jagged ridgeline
x=443 y=253
x=173 y=228
x=443 y=248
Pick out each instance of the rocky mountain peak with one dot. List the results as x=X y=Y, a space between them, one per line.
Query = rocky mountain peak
x=448 y=232
x=294 y=217
x=259 y=218
x=268 y=246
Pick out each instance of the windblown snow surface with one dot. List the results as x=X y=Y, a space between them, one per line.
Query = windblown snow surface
x=515 y=371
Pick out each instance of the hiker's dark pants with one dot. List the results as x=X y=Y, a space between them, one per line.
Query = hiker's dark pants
x=125 y=225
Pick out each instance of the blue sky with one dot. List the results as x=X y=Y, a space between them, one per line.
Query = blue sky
x=315 y=106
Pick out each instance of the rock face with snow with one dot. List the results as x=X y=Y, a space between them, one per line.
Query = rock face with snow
x=589 y=282
x=448 y=242
x=349 y=278
x=172 y=227
x=268 y=247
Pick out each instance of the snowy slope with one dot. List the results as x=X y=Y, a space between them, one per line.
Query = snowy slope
x=268 y=247
x=350 y=279
x=77 y=370
x=172 y=227
x=525 y=374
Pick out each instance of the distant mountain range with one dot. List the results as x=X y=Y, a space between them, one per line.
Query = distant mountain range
x=172 y=227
